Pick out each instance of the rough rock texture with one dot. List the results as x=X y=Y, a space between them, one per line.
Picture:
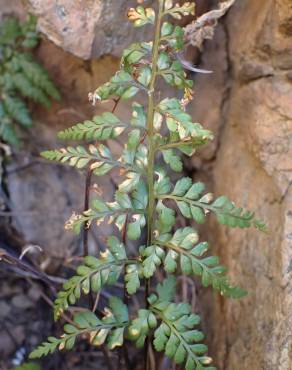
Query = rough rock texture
x=87 y=28
x=252 y=91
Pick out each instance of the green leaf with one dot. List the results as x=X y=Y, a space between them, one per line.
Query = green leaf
x=176 y=335
x=17 y=109
x=130 y=151
x=92 y=275
x=115 y=210
x=135 y=52
x=138 y=116
x=132 y=278
x=131 y=182
x=121 y=84
x=182 y=246
x=98 y=158
x=141 y=326
x=117 y=248
x=177 y=120
x=176 y=76
x=165 y=218
x=163 y=184
x=27 y=89
x=104 y=127
x=173 y=36
x=116 y=338
x=173 y=160
x=228 y=214
x=163 y=61
x=153 y=256
x=119 y=310
x=111 y=326
x=38 y=76
x=198 y=215
x=188 y=199
x=182 y=186
x=28 y=366
x=166 y=290
x=144 y=76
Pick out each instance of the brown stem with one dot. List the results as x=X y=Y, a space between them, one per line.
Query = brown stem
x=151 y=157
x=86 y=207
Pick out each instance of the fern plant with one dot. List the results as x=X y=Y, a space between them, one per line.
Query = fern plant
x=22 y=78
x=146 y=198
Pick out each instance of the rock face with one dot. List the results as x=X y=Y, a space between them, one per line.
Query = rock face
x=85 y=28
x=253 y=166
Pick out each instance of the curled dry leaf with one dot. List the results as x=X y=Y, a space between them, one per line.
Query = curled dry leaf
x=203 y=27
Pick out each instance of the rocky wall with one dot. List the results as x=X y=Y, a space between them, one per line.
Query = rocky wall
x=252 y=164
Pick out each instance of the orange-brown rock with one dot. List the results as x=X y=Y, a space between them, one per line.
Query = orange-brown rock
x=253 y=166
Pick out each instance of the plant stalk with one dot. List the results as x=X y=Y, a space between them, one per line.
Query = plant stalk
x=151 y=154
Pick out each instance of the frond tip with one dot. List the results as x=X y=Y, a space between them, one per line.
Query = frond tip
x=110 y=329
x=193 y=204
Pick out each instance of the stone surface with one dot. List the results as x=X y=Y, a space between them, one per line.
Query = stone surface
x=87 y=28
x=253 y=166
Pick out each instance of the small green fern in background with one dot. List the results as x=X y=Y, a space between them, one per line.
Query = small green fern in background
x=22 y=78
x=28 y=366
x=146 y=198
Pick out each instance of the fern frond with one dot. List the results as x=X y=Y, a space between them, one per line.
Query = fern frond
x=136 y=221
x=94 y=274
x=180 y=122
x=38 y=76
x=122 y=84
x=29 y=32
x=143 y=197
x=177 y=11
x=99 y=158
x=106 y=126
x=9 y=31
x=124 y=211
x=188 y=198
x=8 y=132
x=20 y=76
x=111 y=328
x=28 y=366
x=16 y=108
x=177 y=336
x=182 y=248
x=27 y=89
x=103 y=127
